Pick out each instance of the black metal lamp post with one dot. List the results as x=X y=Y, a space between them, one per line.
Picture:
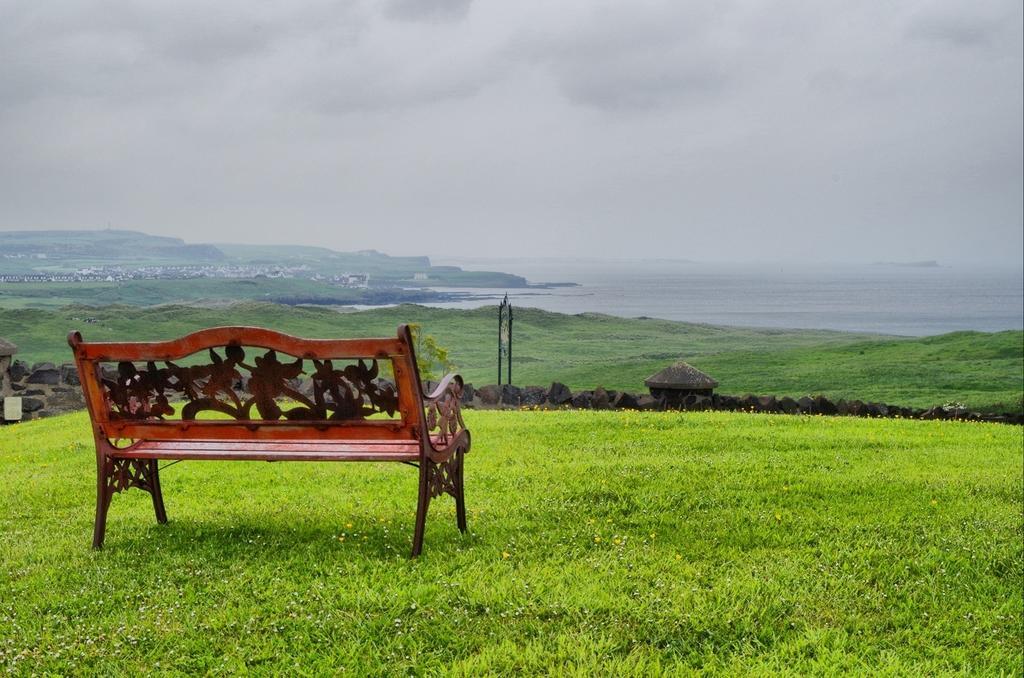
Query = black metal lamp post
x=505 y=337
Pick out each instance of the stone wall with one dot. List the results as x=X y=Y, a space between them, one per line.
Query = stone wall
x=5 y=377
x=45 y=389
x=560 y=396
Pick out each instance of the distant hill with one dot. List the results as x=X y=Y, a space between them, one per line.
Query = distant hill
x=102 y=245
x=28 y=252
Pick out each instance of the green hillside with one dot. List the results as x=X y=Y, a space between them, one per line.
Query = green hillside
x=984 y=371
x=600 y=543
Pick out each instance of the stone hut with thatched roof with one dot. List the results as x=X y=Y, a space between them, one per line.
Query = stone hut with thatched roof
x=681 y=384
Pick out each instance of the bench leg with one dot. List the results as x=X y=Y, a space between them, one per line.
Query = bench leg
x=117 y=475
x=104 y=469
x=460 y=492
x=157 y=494
x=421 y=508
x=435 y=480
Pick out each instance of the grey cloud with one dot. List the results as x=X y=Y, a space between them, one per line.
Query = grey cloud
x=789 y=129
x=427 y=10
x=634 y=83
x=636 y=57
x=962 y=24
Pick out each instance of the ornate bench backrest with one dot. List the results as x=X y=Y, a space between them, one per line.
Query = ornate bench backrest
x=247 y=383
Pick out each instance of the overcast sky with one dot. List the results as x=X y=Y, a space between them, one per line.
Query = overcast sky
x=868 y=130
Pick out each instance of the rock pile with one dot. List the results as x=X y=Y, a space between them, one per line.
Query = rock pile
x=559 y=395
x=45 y=389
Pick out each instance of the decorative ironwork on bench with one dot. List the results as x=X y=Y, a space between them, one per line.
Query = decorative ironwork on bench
x=125 y=473
x=351 y=391
x=444 y=412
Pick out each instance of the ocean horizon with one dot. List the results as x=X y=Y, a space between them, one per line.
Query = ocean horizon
x=909 y=300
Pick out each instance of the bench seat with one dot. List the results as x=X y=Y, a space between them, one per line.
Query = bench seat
x=262 y=450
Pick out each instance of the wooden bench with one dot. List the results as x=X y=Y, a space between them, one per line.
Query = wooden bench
x=227 y=394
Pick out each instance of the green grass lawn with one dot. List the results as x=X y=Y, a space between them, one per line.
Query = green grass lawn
x=985 y=371
x=600 y=542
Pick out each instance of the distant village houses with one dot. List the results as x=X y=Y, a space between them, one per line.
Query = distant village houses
x=123 y=274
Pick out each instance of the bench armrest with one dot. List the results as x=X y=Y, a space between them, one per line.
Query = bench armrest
x=444 y=415
x=442 y=387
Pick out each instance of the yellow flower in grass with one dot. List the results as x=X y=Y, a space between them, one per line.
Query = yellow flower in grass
x=506 y=555
x=597 y=539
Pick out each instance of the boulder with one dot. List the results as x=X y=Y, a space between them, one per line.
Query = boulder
x=806 y=405
x=68 y=401
x=626 y=401
x=726 y=402
x=468 y=392
x=767 y=404
x=788 y=405
x=748 y=402
x=823 y=405
x=31 y=404
x=34 y=392
x=694 y=401
x=583 y=400
x=490 y=395
x=559 y=394
x=511 y=395
x=18 y=387
x=649 y=403
x=306 y=388
x=533 y=396
x=937 y=412
x=44 y=373
x=19 y=370
x=601 y=400
x=69 y=374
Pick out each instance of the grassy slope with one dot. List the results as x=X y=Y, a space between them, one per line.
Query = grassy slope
x=985 y=371
x=736 y=543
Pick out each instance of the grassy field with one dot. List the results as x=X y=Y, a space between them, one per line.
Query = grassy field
x=600 y=543
x=984 y=371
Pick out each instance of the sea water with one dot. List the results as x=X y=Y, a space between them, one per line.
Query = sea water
x=887 y=299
